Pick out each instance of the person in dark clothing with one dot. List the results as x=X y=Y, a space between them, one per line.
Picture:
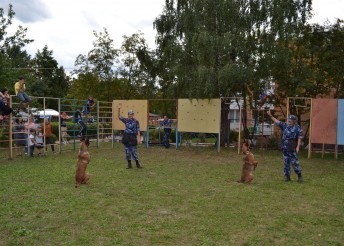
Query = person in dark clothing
x=131 y=137
x=78 y=119
x=291 y=142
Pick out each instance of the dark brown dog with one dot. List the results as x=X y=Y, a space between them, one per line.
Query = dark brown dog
x=249 y=164
x=81 y=176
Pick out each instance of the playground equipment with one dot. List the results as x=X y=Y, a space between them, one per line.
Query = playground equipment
x=322 y=118
x=99 y=119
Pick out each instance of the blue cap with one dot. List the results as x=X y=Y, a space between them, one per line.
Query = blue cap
x=131 y=112
x=292 y=117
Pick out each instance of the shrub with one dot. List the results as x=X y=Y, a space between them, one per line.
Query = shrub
x=274 y=141
x=73 y=129
x=4 y=140
x=233 y=134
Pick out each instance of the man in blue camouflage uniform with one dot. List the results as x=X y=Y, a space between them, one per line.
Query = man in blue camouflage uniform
x=131 y=137
x=167 y=125
x=291 y=142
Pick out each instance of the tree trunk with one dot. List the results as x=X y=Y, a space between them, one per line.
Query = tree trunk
x=224 y=123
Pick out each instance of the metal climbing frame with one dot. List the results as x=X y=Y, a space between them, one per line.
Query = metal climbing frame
x=105 y=118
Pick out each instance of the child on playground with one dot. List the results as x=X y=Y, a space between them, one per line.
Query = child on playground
x=31 y=142
x=5 y=110
x=39 y=140
x=19 y=88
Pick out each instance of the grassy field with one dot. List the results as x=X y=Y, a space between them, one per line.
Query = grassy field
x=180 y=197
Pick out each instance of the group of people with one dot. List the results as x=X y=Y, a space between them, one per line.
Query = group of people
x=291 y=140
x=29 y=136
x=24 y=99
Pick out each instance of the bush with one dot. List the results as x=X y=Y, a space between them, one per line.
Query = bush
x=233 y=134
x=154 y=135
x=274 y=141
x=73 y=129
x=4 y=140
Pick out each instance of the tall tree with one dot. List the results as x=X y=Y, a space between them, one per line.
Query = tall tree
x=49 y=80
x=100 y=61
x=140 y=82
x=311 y=65
x=327 y=46
x=221 y=48
x=13 y=59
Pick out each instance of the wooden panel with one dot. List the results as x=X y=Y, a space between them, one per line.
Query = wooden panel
x=140 y=108
x=201 y=115
x=324 y=121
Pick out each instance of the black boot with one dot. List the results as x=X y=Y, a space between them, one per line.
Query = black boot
x=138 y=164
x=129 y=164
x=300 y=180
x=287 y=179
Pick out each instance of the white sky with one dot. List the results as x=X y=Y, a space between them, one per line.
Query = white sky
x=67 y=26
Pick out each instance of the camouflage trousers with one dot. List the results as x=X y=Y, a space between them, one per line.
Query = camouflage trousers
x=291 y=157
x=166 y=138
x=131 y=151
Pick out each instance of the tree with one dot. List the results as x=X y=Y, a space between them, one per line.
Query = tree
x=49 y=80
x=327 y=48
x=223 y=48
x=140 y=83
x=100 y=62
x=13 y=60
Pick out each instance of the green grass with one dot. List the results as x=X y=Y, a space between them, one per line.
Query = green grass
x=180 y=197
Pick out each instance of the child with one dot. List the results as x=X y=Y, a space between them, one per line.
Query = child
x=5 y=110
x=78 y=119
x=39 y=140
x=31 y=142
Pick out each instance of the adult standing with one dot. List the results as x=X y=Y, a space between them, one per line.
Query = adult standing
x=49 y=138
x=166 y=123
x=63 y=124
x=19 y=88
x=291 y=142
x=131 y=137
x=19 y=135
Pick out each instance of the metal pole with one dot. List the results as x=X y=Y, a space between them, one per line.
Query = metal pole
x=59 y=107
x=310 y=132
x=97 y=111
x=10 y=134
x=240 y=129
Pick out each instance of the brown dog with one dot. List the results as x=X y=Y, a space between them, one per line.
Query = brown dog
x=249 y=164
x=81 y=176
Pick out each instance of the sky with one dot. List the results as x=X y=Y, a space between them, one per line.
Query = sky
x=66 y=26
